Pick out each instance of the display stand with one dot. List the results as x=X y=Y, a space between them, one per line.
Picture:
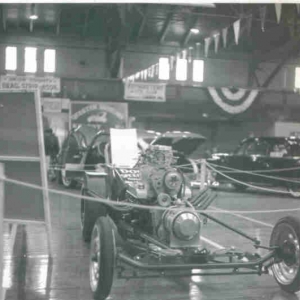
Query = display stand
x=22 y=155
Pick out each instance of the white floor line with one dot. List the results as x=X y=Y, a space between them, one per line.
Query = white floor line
x=208 y=241
x=244 y=217
x=11 y=248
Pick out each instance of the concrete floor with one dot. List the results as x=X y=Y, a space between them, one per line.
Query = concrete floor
x=29 y=275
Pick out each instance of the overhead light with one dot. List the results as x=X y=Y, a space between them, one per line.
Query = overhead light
x=33 y=15
x=195 y=30
x=204 y=115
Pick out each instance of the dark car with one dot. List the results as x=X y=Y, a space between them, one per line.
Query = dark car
x=273 y=161
x=143 y=221
x=69 y=159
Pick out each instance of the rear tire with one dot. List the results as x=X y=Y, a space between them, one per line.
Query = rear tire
x=102 y=258
x=90 y=211
x=286 y=267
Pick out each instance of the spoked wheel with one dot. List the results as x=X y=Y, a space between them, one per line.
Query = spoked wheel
x=286 y=267
x=102 y=258
x=67 y=182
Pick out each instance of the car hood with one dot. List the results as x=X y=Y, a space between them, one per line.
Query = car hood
x=181 y=141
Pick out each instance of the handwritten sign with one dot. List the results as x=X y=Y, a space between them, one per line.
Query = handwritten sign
x=28 y=83
x=141 y=91
x=124 y=147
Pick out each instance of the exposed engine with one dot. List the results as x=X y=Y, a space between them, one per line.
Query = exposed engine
x=160 y=184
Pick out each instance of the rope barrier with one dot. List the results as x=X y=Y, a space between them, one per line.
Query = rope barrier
x=253 y=173
x=141 y=206
x=260 y=171
x=247 y=184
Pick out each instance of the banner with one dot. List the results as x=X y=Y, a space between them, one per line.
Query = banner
x=56 y=115
x=101 y=115
x=236 y=29
x=28 y=83
x=224 y=36
x=206 y=45
x=263 y=12
x=233 y=101
x=140 y=91
x=217 y=38
x=278 y=11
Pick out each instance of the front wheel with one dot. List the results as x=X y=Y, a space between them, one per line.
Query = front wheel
x=286 y=267
x=102 y=258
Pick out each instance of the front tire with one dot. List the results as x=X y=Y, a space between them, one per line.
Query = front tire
x=286 y=267
x=102 y=258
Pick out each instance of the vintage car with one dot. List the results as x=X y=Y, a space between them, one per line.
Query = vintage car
x=71 y=154
x=270 y=161
x=143 y=222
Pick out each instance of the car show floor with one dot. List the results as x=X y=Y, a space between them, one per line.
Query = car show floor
x=29 y=274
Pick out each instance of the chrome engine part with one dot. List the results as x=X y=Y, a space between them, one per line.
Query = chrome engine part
x=178 y=226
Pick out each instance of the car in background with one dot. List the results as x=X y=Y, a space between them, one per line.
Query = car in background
x=68 y=165
x=271 y=161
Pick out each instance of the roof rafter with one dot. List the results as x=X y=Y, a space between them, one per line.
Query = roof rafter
x=166 y=25
x=86 y=21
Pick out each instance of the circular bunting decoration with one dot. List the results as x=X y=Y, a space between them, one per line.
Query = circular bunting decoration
x=232 y=100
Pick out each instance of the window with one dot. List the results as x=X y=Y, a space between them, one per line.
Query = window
x=164 y=69
x=181 y=69
x=198 y=70
x=49 y=60
x=30 y=60
x=11 y=58
x=297 y=78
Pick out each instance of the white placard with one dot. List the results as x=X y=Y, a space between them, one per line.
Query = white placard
x=141 y=91
x=52 y=105
x=124 y=147
x=30 y=83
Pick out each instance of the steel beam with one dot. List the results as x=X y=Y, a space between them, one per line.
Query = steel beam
x=86 y=21
x=58 y=21
x=166 y=25
x=142 y=24
x=293 y=49
x=4 y=23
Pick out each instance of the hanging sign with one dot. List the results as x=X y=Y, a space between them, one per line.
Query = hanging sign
x=28 y=83
x=140 y=91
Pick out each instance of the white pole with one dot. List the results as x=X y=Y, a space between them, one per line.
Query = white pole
x=202 y=174
x=1 y=226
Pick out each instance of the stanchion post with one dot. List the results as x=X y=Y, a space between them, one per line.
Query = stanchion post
x=1 y=227
x=202 y=174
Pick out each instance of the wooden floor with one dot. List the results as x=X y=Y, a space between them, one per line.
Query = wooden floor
x=29 y=275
